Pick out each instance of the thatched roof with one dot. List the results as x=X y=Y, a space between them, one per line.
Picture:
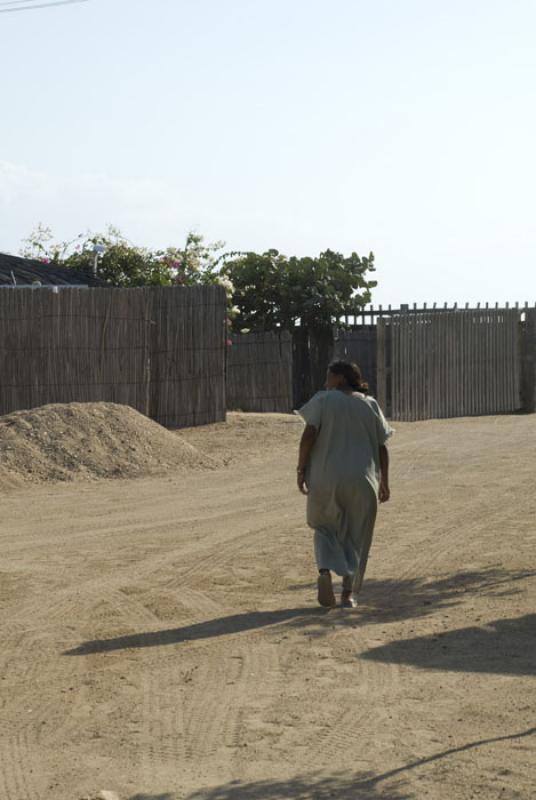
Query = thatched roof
x=28 y=272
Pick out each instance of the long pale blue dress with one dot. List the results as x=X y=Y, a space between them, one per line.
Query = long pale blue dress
x=343 y=478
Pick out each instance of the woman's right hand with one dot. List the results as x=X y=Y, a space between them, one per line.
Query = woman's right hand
x=385 y=493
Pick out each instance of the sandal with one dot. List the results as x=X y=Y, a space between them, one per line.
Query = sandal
x=326 y=598
x=348 y=599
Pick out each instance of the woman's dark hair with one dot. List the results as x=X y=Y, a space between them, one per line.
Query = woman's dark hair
x=351 y=373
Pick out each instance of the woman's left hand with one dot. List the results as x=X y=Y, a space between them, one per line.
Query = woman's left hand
x=302 y=486
x=385 y=493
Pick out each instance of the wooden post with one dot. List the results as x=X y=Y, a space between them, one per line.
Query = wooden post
x=528 y=362
x=381 y=382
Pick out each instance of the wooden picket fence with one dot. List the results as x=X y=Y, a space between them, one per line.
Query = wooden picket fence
x=450 y=364
x=528 y=362
x=159 y=350
x=420 y=362
x=359 y=345
x=369 y=315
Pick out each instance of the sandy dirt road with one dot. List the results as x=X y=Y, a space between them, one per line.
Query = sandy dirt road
x=160 y=637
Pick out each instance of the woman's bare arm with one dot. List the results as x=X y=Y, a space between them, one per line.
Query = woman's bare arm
x=384 y=492
x=307 y=442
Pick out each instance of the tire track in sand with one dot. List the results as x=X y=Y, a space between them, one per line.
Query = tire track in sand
x=35 y=711
x=385 y=681
x=192 y=720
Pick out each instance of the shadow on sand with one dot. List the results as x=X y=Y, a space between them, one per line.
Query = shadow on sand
x=222 y=626
x=153 y=797
x=314 y=787
x=364 y=786
x=505 y=647
x=411 y=598
x=380 y=602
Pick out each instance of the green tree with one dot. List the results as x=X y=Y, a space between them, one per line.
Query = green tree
x=272 y=291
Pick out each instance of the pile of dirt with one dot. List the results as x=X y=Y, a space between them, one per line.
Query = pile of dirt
x=86 y=441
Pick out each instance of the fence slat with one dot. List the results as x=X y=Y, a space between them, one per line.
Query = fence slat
x=381 y=374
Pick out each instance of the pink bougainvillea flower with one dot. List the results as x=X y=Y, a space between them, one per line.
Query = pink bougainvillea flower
x=229 y=342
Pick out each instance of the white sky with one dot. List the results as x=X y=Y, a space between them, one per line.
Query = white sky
x=406 y=127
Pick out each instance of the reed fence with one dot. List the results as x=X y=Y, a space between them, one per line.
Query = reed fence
x=159 y=350
x=259 y=372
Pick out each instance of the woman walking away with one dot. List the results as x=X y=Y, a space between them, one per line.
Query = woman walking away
x=343 y=468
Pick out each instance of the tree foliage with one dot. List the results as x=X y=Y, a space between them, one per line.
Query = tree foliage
x=265 y=291
x=273 y=291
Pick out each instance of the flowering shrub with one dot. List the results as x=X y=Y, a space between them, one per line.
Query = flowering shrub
x=121 y=263
x=124 y=264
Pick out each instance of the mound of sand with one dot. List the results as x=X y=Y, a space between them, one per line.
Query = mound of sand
x=85 y=441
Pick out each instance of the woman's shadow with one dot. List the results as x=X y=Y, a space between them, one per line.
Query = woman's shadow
x=223 y=626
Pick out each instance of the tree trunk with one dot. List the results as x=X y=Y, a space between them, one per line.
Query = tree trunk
x=312 y=353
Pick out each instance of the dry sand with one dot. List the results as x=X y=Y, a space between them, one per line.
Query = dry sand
x=87 y=441
x=160 y=637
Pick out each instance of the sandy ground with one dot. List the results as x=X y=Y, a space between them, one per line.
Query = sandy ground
x=89 y=441
x=160 y=637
